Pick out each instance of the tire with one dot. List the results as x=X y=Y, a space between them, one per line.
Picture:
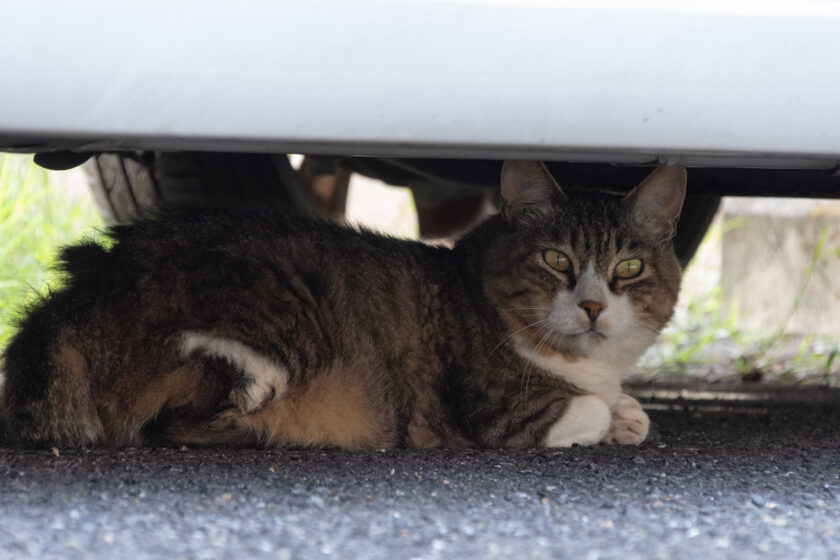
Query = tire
x=130 y=185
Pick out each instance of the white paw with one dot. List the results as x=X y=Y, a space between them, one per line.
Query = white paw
x=262 y=381
x=585 y=422
x=252 y=394
x=630 y=424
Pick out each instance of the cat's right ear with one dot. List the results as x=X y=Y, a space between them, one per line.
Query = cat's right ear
x=528 y=185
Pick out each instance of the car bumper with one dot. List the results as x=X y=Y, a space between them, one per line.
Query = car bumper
x=735 y=83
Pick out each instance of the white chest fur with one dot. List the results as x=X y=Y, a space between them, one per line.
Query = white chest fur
x=591 y=375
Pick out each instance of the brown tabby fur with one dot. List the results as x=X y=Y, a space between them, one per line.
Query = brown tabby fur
x=386 y=343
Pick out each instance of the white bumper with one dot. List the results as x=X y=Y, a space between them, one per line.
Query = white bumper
x=707 y=82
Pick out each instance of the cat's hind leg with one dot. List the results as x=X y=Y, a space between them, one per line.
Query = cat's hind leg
x=222 y=429
x=261 y=380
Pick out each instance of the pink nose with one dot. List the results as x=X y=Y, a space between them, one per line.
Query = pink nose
x=592 y=308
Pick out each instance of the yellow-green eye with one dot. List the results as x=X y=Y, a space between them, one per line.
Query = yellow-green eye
x=629 y=268
x=557 y=260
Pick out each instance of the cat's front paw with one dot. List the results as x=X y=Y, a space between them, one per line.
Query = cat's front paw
x=630 y=424
x=584 y=422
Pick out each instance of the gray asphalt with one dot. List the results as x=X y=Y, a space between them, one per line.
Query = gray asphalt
x=724 y=475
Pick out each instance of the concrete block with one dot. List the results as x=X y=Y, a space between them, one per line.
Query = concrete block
x=767 y=249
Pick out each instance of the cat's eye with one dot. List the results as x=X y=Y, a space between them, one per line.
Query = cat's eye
x=557 y=260
x=629 y=268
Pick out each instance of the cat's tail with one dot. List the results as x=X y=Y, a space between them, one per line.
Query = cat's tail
x=47 y=391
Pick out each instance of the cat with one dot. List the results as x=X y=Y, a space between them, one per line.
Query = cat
x=262 y=328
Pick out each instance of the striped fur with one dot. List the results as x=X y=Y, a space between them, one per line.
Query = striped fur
x=222 y=327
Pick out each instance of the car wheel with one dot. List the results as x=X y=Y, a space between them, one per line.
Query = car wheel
x=129 y=185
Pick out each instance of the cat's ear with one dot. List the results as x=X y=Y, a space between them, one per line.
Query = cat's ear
x=528 y=185
x=657 y=201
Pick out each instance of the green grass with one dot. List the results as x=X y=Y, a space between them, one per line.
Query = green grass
x=704 y=341
x=35 y=219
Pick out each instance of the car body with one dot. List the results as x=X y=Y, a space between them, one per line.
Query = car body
x=703 y=83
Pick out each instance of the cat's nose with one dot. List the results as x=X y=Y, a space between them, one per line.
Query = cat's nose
x=592 y=308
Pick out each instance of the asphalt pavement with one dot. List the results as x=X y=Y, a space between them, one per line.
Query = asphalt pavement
x=727 y=473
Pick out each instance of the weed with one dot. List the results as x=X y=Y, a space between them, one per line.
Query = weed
x=35 y=219
x=704 y=340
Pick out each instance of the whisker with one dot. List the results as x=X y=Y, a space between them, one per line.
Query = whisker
x=541 y=323
x=505 y=339
x=654 y=315
x=645 y=326
x=526 y=377
x=533 y=311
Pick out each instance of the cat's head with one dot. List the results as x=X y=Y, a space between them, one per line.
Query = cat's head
x=585 y=274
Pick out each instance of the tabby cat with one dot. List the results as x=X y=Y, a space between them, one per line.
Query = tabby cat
x=237 y=328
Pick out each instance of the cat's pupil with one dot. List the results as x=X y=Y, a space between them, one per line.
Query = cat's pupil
x=629 y=268
x=557 y=260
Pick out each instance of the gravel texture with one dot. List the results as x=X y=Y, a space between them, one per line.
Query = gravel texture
x=723 y=476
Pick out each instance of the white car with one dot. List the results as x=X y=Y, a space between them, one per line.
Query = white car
x=195 y=100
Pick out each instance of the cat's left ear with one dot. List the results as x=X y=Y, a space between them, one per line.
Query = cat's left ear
x=528 y=186
x=657 y=201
